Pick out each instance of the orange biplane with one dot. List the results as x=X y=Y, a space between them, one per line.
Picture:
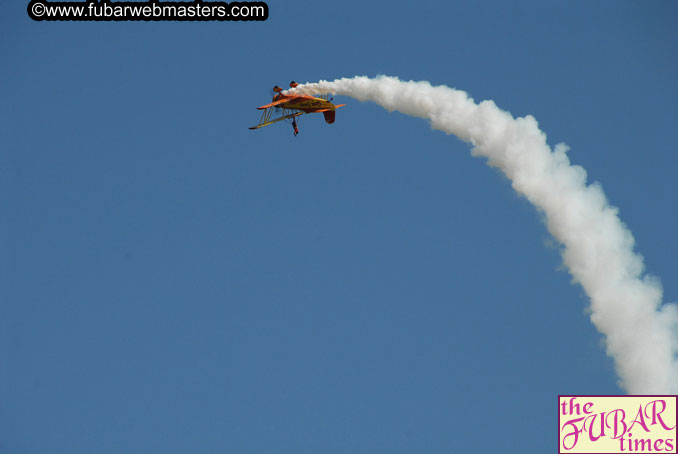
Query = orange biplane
x=289 y=107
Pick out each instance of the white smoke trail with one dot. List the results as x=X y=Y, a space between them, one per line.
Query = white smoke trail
x=641 y=334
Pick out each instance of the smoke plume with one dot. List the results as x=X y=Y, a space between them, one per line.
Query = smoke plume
x=641 y=334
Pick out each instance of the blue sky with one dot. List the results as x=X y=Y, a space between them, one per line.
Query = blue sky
x=173 y=282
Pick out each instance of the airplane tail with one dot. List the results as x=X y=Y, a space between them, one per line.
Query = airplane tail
x=329 y=116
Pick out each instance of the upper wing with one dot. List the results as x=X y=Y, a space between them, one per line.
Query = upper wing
x=270 y=122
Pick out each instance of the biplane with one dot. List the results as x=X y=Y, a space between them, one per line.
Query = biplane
x=289 y=107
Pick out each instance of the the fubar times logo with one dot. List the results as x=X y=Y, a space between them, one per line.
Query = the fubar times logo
x=617 y=424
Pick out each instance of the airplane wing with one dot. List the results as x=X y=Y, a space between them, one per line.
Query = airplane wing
x=280 y=101
x=270 y=122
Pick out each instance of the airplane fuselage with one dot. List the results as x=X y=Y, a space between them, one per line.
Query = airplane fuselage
x=308 y=104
